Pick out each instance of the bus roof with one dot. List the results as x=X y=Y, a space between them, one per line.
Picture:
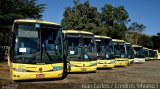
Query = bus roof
x=98 y=36
x=117 y=40
x=155 y=50
x=150 y=49
x=76 y=31
x=128 y=43
x=145 y=48
x=136 y=46
x=36 y=21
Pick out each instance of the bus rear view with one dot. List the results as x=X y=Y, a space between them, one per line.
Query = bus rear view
x=36 y=50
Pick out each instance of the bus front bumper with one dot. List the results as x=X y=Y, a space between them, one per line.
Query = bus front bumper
x=83 y=69
x=139 y=60
x=121 y=63
x=105 y=65
x=36 y=75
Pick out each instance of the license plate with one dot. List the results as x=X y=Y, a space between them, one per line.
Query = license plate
x=105 y=65
x=83 y=69
x=40 y=76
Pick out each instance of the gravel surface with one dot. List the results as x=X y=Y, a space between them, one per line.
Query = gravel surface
x=146 y=73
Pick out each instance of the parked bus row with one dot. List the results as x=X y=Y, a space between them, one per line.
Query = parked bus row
x=42 y=50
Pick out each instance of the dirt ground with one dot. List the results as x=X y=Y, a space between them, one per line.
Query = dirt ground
x=146 y=73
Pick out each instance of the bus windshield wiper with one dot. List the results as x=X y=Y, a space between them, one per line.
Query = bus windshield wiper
x=34 y=57
x=44 y=51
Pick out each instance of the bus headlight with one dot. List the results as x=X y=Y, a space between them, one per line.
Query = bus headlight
x=94 y=64
x=112 y=62
x=19 y=70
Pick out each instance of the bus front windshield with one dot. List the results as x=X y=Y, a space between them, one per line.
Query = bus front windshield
x=151 y=53
x=79 y=45
x=89 y=47
x=130 y=51
x=74 y=46
x=139 y=52
x=146 y=52
x=120 y=50
x=42 y=45
x=104 y=48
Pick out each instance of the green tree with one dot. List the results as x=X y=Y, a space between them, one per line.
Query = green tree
x=17 y=9
x=134 y=32
x=156 y=41
x=146 y=41
x=81 y=16
x=158 y=34
x=115 y=20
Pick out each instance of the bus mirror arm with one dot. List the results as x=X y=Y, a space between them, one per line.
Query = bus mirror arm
x=11 y=45
x=12 y=39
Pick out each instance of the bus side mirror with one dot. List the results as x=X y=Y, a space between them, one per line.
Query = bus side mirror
x=65 y=46
x=11 y=45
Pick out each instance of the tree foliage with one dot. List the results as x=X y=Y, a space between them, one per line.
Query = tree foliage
x=111 y=22
x=17 y=9
x=134 y=32
x=137 y=27
x=115 y=20
x=156 y=41
x=150 y=41
x=146 y=41
x=81 y=17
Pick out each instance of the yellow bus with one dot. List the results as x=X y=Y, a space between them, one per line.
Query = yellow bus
x=36 y=50
x=157 y=52
x=105 y=52
x=130 y=53
x=151 y=55
x=80 y=51
x=139 y=56
x=120 y=52
x=146 y=53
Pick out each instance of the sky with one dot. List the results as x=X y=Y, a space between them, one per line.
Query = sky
x=146 y=12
